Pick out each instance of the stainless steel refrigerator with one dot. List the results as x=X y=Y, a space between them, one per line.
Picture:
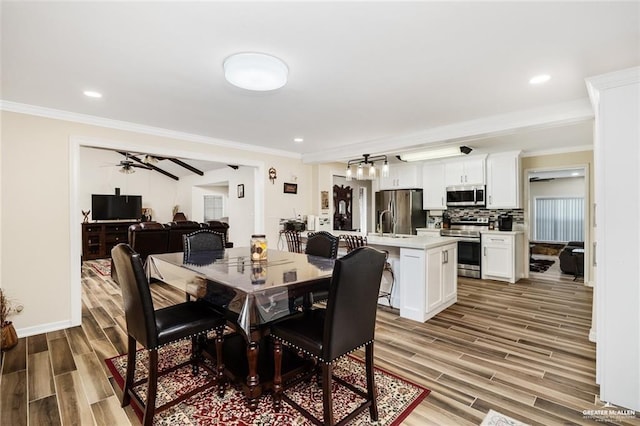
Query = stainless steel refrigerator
x=406 y=207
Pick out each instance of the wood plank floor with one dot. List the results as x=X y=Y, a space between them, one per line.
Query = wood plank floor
x=521 y=350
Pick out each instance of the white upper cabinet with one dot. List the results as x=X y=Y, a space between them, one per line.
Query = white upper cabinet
x=503 y=181
x=402 y=176
x=469 y=171
x=434 y=194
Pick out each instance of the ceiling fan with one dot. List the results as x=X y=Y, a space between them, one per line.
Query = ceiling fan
x=127 y=166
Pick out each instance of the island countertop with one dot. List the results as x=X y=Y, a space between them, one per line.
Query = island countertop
x=421 y=242
x=412 y=241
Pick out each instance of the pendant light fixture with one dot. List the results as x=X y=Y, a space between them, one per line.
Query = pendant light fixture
x=366 y=167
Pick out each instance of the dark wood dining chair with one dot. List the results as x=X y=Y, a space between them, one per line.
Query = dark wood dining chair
x=156 y=328
x=294 y=243
x=203 y=240
x=329 y=334
x=355 y=241
x=322 y=244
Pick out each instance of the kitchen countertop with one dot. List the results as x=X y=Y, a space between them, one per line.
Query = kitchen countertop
x=412 y=241
x=401 y=241
x=496 y=232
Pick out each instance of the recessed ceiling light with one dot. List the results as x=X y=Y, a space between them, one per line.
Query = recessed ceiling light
x=92 y=94
x=539 y=79
x=255 y=71
x=298 y=140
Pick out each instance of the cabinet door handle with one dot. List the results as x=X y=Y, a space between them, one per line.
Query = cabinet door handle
x=490 y=199
x=485 y=251
x=442 y=201
x=497 y=239
x=595 y=244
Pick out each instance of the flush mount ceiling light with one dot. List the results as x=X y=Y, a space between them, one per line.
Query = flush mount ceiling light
x=539 y=79
x=255 y=71
x=450 y=151
x=298 y=140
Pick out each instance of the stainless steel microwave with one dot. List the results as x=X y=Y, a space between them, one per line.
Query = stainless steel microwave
x=466 y=196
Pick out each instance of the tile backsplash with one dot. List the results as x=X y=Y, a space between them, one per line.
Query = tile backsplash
x=456 y=213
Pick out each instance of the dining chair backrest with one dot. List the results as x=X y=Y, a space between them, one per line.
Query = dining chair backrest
x=138 y=304
x=322 y=243
x=353 y=301
x=294 y=244
x=203 y=240
x=354 y=241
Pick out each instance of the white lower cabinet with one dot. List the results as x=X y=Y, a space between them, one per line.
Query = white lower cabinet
x=428 y=281
x=502 y=256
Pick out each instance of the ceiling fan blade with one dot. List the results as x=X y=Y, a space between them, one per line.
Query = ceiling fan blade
x=140 y=166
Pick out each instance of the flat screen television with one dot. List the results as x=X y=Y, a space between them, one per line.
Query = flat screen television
x=116 y=207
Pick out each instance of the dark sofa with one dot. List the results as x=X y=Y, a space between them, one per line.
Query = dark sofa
x=153 y=238
x=572 y=263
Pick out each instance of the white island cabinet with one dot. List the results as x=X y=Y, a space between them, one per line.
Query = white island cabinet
x=436 y=267
x=425 y=272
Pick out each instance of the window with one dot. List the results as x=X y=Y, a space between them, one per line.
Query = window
x=213 y=207
x=559 y=219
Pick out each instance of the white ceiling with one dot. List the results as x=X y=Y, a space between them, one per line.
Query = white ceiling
x=378 y=76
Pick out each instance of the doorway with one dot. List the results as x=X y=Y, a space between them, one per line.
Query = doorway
x=558 y=232
x=359 y=205
x=75 y=143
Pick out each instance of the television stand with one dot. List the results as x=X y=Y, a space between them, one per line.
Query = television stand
x=99 y=238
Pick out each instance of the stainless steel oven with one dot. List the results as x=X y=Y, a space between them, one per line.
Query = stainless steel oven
x=468 y=231
x=469 y=258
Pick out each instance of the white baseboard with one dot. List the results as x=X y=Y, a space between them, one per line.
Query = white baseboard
x=592 y=335
x=44 y=328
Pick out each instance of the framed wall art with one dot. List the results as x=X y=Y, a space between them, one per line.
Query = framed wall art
x=290 y=188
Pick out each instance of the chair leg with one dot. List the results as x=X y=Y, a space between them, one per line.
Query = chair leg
x=327 y=400
x=372 y=393
x=152 y=388
x=131 y=370
x=277 y=375
x=196 y=349
x=393 y=281
x=220 y=362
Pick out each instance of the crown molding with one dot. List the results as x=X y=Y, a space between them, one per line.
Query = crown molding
x=138 y=128
x=563 y=150
x=611 y=80
x=551 y=116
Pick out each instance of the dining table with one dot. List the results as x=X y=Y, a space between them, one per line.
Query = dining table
x=251 y=295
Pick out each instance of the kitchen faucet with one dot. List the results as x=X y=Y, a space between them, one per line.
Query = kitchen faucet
x=393 y=223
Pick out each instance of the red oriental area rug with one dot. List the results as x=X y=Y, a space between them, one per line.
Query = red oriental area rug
x=397 y=397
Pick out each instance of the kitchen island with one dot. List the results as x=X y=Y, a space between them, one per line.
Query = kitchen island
x=425 y=270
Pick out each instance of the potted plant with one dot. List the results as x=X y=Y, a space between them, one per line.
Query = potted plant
x=8 y=337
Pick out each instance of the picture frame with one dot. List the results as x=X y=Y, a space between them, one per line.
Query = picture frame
x=290 y=188
x=324 y=200
x=241 y=190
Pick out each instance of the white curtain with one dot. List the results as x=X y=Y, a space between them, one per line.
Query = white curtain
x=559 y=219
